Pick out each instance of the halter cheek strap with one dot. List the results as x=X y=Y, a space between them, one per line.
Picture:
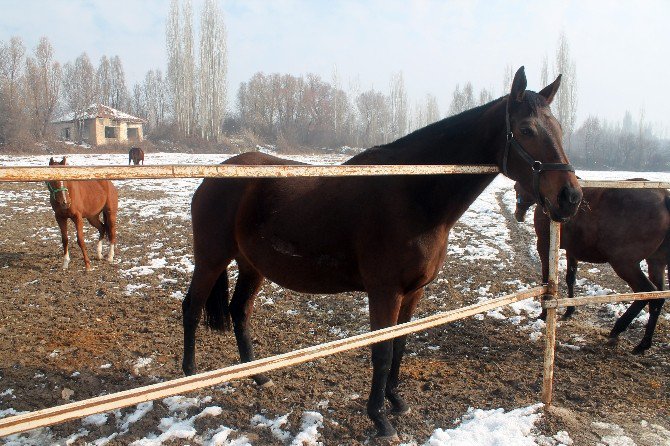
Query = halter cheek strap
x=537 y=167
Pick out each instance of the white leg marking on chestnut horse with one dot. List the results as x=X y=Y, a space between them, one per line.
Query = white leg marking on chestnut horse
x=100 y=249
x=66 y=260
x=110 y=256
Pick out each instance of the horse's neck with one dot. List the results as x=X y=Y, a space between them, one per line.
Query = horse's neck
x=475 y=138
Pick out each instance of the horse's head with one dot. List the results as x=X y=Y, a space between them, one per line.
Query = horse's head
x=60 y=195
x=534 y=155
x=524 y=201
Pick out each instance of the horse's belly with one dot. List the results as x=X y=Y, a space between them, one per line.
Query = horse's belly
x=288 y=266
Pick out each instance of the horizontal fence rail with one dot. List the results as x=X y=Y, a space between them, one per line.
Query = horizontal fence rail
x=105 y=403
x=45 y=173
x=604 y=298
x=621 y=184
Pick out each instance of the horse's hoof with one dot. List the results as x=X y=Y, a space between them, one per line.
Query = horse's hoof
x=386 y=440
x=263 y=381
x=640 y=349
x=401 y=410
x=612 y=341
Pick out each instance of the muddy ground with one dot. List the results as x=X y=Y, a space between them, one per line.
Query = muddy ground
x=55 y=323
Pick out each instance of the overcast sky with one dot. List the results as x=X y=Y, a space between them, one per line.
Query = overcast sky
x=621 y=48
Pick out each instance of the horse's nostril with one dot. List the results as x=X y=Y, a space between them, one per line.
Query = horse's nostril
x=575 y=197
x=571 y=195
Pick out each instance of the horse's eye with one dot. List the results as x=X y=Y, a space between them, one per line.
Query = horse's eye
x=526 y=131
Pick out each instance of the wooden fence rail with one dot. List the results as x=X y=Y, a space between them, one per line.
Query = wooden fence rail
x=8 y=174
x=105 y=403
x=549 y=292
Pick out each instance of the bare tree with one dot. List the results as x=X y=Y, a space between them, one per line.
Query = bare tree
x=11 y=71
x=544 y=73
x=118 y=89
x=375 y=114
x=398 y=106
x=189 y=77
x=565 y=103
x=485 y=96
x=461 y=100
x=79 y=88
x=103 y=79
x=213 y=71
x=43 y=77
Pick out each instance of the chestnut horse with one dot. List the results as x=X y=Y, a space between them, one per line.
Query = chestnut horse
x=385 y=235
x=79 y=200
x=621 y=227
x=135 y=154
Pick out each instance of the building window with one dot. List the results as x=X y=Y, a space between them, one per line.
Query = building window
x=110 y=132
x=133 y=134
x=65 y=133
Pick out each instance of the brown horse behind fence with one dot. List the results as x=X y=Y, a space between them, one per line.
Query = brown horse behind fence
x=385 y=235
x=135 y=154
x=79 y=200
x=621 y=227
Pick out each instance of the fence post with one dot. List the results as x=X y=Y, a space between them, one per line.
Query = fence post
x=552 y=292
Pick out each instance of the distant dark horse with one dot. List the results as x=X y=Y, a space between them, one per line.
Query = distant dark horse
x=135 y=154
x=385 y=235
x=79 y=200
x=621 y=227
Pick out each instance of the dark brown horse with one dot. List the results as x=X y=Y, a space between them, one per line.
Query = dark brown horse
x=135 y=154
x=385 y=235
x=79 y=200
x=621 y=227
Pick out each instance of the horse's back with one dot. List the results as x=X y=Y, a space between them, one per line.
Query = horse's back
x=90 y=197
x=617 y=223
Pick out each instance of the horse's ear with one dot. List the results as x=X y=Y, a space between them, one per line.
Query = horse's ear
x=550 y=90
x=51 y=161
x=519 y=85
x=64 y=161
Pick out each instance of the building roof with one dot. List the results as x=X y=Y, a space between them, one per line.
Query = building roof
x=100 y=111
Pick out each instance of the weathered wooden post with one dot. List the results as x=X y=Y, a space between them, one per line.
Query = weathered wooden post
x=550 y=333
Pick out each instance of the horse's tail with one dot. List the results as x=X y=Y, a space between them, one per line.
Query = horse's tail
x=217 y=311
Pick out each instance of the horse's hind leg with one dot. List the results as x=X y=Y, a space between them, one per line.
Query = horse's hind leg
x=241 y=308
x=636 y=279
x=100 y=226
x=110 y=227
x=202 y=284
x=399 y=406
x=657 y=277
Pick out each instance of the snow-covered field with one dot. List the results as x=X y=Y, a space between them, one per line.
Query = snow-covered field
x=488 y=236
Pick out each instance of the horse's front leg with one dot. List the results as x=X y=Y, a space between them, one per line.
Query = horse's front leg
x=399 y=406
x=570 y=279
x=384 y=309
x=79 y=225
x=62 y=224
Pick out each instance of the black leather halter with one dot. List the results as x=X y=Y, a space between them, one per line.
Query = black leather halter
x=536 y=167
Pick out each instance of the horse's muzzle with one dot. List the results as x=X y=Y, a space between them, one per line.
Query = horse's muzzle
x=568 y=201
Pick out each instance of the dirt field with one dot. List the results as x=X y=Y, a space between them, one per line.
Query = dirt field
x=74 y=335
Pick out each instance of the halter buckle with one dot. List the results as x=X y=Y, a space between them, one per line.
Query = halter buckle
x=537 y=166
